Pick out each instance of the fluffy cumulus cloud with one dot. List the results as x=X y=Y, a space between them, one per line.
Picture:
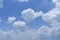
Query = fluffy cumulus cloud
x=54 y=14
x=29 y=14
x=20 y=25
x=11 y=19
x=1 y=3
x=44 y=30
x=53 y=17
x=2 y=35
x=43 y=33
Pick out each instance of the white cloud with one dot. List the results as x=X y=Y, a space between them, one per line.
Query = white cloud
x=56 y=27
x=57 y=3
x=52 y=16
x=54 y=0
x=11 y=19
x=44 y=30
x=2 y=35
x=1 y=3
x=29 y=14
x=0 y=20
x=23 y=0
x=38 y=14
x=20 y=25
x=42 y=33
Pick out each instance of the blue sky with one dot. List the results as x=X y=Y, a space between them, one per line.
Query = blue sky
x=14 y=9
x=29 y=19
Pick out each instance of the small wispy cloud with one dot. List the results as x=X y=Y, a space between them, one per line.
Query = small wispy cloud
x=21 y=0
x=11 y=19
x=1 y=3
